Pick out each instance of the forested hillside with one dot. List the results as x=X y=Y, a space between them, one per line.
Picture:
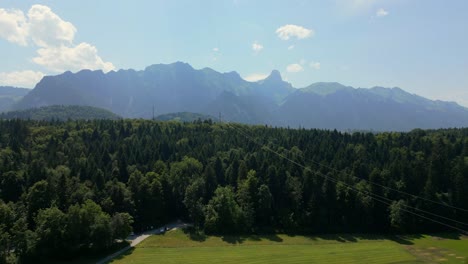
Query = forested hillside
x=72 y=186
x=183 y=117
x=61 y=112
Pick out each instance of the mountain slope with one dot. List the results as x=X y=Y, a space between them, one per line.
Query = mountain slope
x=10 y=95
x=273 y=87
x=177 y=87
x=380 y=109
x=169 y=88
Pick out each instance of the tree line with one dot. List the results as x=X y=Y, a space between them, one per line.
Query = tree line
x=79 y=186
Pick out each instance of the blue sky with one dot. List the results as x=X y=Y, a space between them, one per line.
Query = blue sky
x=418 y=45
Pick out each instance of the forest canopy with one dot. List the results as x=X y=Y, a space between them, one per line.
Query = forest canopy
x=77 y=186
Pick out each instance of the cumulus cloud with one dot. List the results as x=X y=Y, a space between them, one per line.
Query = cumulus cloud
x=254 y=77
x=291 y=47
x=41 y=25
x=381 y=12
x=215 y=49
x=295 y=67
x=287 y=31
x=13 y=26
x=82 y=56
x=47 y=29
x=26 y=79
x=54 y=37
x=257 y=47
x=315 y=65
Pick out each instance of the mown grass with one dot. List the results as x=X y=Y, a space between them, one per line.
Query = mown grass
x=182 y=247
x=442 y=248
x=383 y=252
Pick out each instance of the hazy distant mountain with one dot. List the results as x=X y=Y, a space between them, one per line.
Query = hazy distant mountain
x=332 y=105
x=169 y=88
x=273 y=87
x=177 y=87
x=61 y=112
x=10 y=95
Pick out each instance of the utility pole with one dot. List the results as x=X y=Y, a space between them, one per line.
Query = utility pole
x=220 y=117
x=153 y=112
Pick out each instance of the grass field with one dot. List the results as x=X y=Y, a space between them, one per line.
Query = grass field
x=180 y=247
x=439 y=249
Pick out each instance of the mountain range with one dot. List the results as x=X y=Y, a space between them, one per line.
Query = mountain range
x=10 y=95
x=177 y=87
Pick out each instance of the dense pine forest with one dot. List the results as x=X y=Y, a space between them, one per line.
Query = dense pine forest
x=78 y=186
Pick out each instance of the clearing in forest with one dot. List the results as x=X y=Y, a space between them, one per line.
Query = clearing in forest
x=180 y=246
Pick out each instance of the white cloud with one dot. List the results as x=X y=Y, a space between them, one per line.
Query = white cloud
x=41 y=25
x=295 y=67
x=48 y=29
x=54 y=37
x=13 y=26
x=82 y=56
x=257 y=47
x=215 y=49
x=287 y=31
x=256 y=77
x=26 y=79
x=381 y=12
x=291 y=47
x=315 y=65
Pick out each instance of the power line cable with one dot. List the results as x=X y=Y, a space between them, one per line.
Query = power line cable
x=390 y=188
x=405 y=210
x=360 y=191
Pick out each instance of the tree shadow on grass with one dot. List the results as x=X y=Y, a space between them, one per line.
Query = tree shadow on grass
x=195 y=234
x=273 y=237
x=238 y=239
x=403 y=239
x=347 y=238
x=198 y=235
x=233 y=239
x=453 y=236
x=338 y=237
x=400 y=239
x=270 y=237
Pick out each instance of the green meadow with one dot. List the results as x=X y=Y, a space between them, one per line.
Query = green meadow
x=182 y=247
